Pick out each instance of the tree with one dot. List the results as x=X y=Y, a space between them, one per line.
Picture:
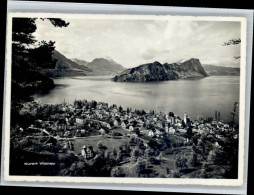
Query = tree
x=135 y=155
x=232 y=42
x=119 y=156
x=194 y=160
x=57 y=22
x=171 y=114
x=195 y=139
x=120 y=109
x=206 y=145
x=41 y=57
x=101 y=146
x=25 y=53
x=216 y=156
x=137 y=131
x=189 y=133
x=141 y=165
x=126 y=148
x=180 y=162
x=141 y=145
x=115 y=172
x=167 y=141
x=78 y=104
x=168 y=170
x=153 y=144
x=93 y=104
x=28 y=56
x=235 y=111
x=143 y=112
x=114 y=152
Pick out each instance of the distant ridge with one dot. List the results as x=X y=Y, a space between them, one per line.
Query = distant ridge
x=160 y=72
x=65 y=67
x=213 y=70
x=102 y=66
x=80 y=62
x=77 y=67
x=65 y=63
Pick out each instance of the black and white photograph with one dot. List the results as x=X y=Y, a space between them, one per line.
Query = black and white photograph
x=95 y=96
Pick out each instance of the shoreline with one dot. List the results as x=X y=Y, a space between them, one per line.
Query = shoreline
x=125 y=98
x=160 y=109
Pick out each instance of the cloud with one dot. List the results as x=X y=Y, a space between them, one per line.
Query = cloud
x=135 y=42
x=152 y=54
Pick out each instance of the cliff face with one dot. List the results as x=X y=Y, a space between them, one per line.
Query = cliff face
x=162 y=72
x=193 y=66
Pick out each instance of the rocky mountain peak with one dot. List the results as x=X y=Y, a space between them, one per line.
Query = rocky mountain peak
x=160 y=72
x=157 y=63
x=193 y=64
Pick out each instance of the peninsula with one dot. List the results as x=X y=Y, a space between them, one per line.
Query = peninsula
x=161 y=72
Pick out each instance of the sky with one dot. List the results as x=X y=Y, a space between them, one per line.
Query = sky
x=135 y=42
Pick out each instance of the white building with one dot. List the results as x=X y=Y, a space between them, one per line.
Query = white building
x=166 y=129
x=115 y=123
x=151 y=133
x=87 y=152
x=79 y=121
x=102 y=131
x=171 y=120
x=182 y=130
x=131 y=128
x=171 y=130
x=123 y=125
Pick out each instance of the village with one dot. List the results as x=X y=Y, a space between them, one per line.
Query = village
x=84 y=119
x=108 y=140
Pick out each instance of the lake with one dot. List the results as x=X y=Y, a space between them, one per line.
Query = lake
x=197 y=97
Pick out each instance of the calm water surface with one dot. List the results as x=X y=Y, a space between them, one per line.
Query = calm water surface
x=197 y=97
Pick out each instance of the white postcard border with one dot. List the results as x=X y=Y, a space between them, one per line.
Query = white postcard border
x=194 y=181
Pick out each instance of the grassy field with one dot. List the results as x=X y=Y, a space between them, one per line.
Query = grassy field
x=110 y=142
x=175 y=138
x=120 y=130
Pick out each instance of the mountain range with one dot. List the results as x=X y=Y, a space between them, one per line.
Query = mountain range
x=102 y=66
x=161 y=72
x=76 y=67
x=147 y=72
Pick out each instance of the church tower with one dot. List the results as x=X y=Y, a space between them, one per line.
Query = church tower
x=185 y=116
